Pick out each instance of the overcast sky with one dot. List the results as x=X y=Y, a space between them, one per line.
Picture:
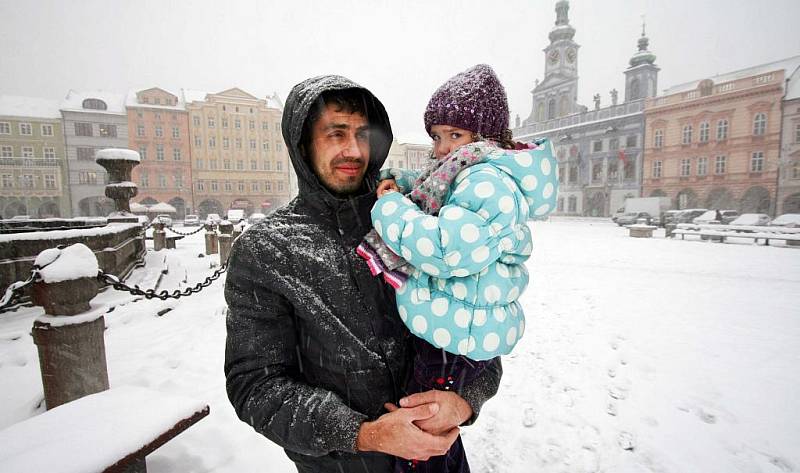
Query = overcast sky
x=401 y=50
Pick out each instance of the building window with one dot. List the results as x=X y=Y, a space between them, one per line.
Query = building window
x=212 y=142
x=572 y=204
x=49 y=181
x=6 y=151
x=226 y=143
x=5 y=128
x=658 y=139
x=687 y=134
x=252 y=123
x=143 y=152
x=702 y=166
x=280 y=186
x=757 y=161
x=613 y=144
x=224 y=122
x=238 y=143
x=196 y=120
x=573 y=174
x=107 y=130
x=597 y=172
x=198 y=163
x=279 y=166
x=214 y=186
x=797 y=133
x=159 y=131
x=253 y=165
x=95 y=104
x=240 y=165
x=85 y=154
x=240 y=186
x=704 y=127
x=198 y=142
x=560 y=206
x=176 y=154
x=277 y=127
x=722 y=130
x=264 y=126
x=612 y=169
x=631 y=141
x=49 y=153
x=656 y=169
x=226 y=164
x=796 y=170
x=139 y=130
x=87 y=177
x=8 y=181
x=561 y=173
x=719 y=165
x=265 y=144
x=25 y=129
x=629 y=169
x=27 y=151
x=26 y=181
x=83 y=129
x=176 y=132
x=254 y=187
x=211 y=123
x=759 y=124
x=267 y=186
x=201 y=186
x=47 y=130
x=144 y=179
x=237 y=123
x=228 y=187
x=162 y=181
x=159 y=152
x=212 y=164
x=278 y=147
x=686 y=167
x=597 y=146
x=253 y=144
x=178 y=181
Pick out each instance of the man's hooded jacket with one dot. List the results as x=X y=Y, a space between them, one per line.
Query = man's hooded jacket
x=315 y=344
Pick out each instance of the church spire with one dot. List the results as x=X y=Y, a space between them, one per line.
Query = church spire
x=643 y=56
x=562 y=30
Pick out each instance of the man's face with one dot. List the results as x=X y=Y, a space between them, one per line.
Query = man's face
x=340 y=149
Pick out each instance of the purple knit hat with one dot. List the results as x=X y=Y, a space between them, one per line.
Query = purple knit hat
x=474 y=100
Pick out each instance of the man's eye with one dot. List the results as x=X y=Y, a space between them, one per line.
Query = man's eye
x=364 y=135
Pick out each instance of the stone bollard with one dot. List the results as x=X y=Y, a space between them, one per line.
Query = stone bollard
x=159 y=236
x=225 y=241
x=211 y=239
x=69 y=337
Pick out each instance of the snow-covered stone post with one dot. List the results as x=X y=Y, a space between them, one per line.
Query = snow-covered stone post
x=159 y=236
x=238 y=229
x=69 y=337
x=118 y=163
x=225 y=240
x=211 y=239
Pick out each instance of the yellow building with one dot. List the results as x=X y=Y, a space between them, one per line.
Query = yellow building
x=239 y=159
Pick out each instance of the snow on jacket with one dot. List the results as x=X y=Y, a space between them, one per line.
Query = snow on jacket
x=315 y=345
x=469 y=260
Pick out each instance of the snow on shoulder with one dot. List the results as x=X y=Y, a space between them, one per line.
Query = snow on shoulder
x=118 y=154
x=73 y=262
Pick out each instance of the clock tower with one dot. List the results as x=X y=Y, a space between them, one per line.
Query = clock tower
x=557 y=95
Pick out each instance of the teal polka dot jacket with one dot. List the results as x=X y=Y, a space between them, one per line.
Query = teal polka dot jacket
x=464 y=293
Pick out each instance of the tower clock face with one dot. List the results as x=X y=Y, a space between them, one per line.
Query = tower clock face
x=571 y=55
x=553 y=57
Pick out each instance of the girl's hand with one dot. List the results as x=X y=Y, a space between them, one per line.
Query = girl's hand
x=387 y=185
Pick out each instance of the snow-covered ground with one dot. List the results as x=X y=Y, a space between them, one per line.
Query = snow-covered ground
x=639 y=355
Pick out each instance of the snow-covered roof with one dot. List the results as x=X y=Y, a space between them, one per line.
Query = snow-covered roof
x=115 y=102
x=789 y=65
x=130 y=100
x=162 y=207
x=793 y=88
x=34 y=107
x=190 y=96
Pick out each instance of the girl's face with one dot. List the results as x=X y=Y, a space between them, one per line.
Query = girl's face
x=446 y=138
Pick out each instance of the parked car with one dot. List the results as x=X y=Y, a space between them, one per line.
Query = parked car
x=255 y=218
x=619 y=213
x=191 y=221
x=727 y=216
x=687 y=215
x=213 y=218
x=669 y=217
x=752 y=219
x=165 y=219
x=786 y=220
x=632 y=217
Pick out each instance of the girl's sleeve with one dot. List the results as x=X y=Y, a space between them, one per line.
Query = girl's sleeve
x=471 y=231
x=403 y=177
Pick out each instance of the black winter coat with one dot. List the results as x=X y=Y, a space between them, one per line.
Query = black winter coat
x=315 y=345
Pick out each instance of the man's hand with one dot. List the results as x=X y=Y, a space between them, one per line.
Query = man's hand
x=387 y=185
x=453 y=410
x=395 y=433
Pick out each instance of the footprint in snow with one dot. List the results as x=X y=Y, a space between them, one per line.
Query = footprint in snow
x=619 y=393
x=529 y=416
x=626 y=441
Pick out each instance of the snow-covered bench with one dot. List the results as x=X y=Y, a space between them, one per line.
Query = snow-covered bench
x=719 y=234
x=111 y=431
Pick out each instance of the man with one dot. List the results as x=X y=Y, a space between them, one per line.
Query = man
x=316 y=353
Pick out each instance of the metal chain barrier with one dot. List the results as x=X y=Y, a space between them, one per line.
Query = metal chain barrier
x=164 y=294
x=186 y=233
x=15 y=290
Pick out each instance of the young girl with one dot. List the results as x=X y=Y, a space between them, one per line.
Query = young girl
x=458 y=238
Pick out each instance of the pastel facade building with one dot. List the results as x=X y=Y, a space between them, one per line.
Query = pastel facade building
x=788 y=200
x=715 y=142
x=158 y=128
x=33 y=166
